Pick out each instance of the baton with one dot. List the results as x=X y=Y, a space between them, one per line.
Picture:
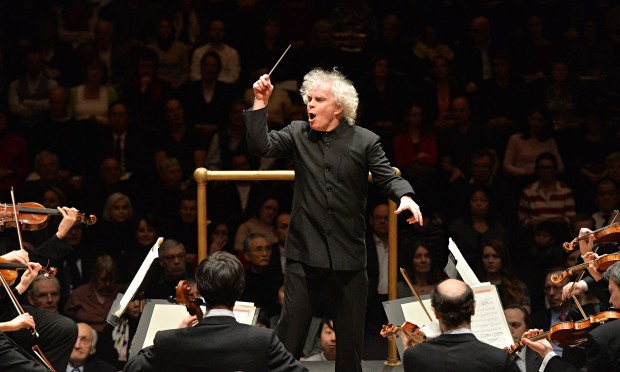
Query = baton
x=282 y=56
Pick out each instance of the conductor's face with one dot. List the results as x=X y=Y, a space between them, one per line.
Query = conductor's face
x=323 y=113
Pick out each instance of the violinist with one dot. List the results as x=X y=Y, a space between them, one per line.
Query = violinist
x=593 y=282
x=457 y=349
x=217 y=342
x=12 y=356
x=57 y=333
x=519 y=321
x=603 y=344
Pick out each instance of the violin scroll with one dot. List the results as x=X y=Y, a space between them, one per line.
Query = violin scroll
x=191 y=302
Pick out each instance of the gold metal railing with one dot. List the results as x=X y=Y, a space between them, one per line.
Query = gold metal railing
x=203 y=175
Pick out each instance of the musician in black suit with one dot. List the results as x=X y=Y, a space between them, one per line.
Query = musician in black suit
x=325 y=247
x=457 y=349
x=519 y=321
x=217 y=342
x=602 y=346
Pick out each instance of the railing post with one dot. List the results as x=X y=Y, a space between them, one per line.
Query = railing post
x=200 y=175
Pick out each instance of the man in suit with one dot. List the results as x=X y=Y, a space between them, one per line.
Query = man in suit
x=217 y=342
x=558 y=310
x=325 y=247
x=377 y=269
x=603 y=345
x=519 y=321
x=457 y=349
x=82 y=357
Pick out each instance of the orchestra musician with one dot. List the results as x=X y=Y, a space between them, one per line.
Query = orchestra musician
x=603 y=344
x=57 y=333
x=217 y=342
x=457 y=349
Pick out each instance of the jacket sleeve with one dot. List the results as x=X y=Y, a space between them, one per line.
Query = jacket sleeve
x=279 y=359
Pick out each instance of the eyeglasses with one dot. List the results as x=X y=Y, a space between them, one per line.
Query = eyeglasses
x=263 y=248
x=173 y=256
x=555 y=288
x=45 y=296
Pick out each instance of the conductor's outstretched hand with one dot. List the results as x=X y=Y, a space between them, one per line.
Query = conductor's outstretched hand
x=406 y=203
x=262 y=91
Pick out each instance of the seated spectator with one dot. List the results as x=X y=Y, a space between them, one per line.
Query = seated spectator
x=377 y=265
x=108 y=48
x=179 y=140
x=607 y=200
x=229 y=141
x=261 y=281
x=503 y=202
x=439 y=92
x=208 y=99
x=90 y=101
x=144 y=237
x=220 y=238
x=429 y=47
x=422 y=269
x=472 y=232
x=261 y=222
x=415 y=152
x=95 y=192
x=47 y=174
x=91 y=302
x=113 y=232
x=64 y=136
x=77 y=21
x=183 y=224
x=327 y=339
x=44 y=293
x=146 y=93
x=547 y=199
x=82 y=357
x=278 y=255
x=164 y=196
x=496 y=268
x=171 y=269
x=13 y=159
x=230 y=66
x=29 y=95
x=173 y=54
x=523 y=149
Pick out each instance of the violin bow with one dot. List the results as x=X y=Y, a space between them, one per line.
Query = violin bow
x=19 y=230
x=410 y=284
x=35 y=348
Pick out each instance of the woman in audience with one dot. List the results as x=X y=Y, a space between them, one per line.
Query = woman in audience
x=422 y=270
x=523 y=149
x=470 y=233
x=262 y=222
x=91 y=302
x=496 y=268
x=145 y=234
x=113 y=232
x=90 y=101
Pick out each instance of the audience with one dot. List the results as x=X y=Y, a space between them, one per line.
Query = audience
x=495 y=94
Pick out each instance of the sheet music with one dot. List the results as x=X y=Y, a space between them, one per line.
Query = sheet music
x=489 y=323
x=139 y=277
x=462 y=266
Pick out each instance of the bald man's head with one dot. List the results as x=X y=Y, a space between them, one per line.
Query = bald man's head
x=453 y=301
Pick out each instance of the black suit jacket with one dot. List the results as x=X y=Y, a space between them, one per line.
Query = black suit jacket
x=533 y=360
x=457 y=353
x=327 y=225
x=217 y=343
x=603 y=351
x=94 y=364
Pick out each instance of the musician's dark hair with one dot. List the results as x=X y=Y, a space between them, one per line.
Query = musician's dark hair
x=526 y=315
x=453 y=310
x=221 y=279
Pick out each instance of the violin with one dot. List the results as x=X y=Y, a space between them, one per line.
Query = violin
x=8 y=271
x=33 y=216
x=606 y=234
x=191 y=302
x=601 y=264
x=412 y=331
x=568 y=334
